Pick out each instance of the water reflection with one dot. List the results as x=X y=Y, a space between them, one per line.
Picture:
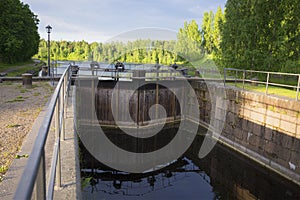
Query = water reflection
x=223 y=174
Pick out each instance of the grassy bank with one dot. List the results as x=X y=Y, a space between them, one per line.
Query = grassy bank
x=272 y=90
x=17 y=69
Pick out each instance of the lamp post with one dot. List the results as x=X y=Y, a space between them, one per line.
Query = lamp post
x=48 y=28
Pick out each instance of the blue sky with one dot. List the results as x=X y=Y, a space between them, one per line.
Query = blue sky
x=100 y=20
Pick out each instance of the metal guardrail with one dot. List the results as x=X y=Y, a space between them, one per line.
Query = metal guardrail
x=268 y=83
x=34 y=174
x=146 y=75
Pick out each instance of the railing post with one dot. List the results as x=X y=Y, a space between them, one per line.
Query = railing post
x=224 y=77
x=57 y=135
x=298 y=87
x=40 y=185
x=244 y=77
x=62 y=104
x=68 y=80
x=236 y=75
x=267 y=84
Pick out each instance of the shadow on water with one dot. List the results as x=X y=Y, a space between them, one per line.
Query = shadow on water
x=222 y=174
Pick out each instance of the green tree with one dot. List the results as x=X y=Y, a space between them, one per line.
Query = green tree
x=207 y=31
x=262 y=35
x=189 y=42
x=218 y=22
x=19 y=39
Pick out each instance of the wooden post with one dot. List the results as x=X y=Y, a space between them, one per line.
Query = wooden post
x=27 y=80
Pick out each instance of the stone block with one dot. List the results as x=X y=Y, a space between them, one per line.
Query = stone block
x=230 y=117
x=283 y=153
x=270 y=148
x=281 y=162
x=250 y=126
x=277 y=137
x=257 y=129
x=231 y=94
x=220 y=114
x=287 y=141
x=219 y=125
x=272 y=121
x=296 y=145
x=252 y=147
x=289 y=118
x=244 y=124
x=268 y=134
x=298 y=131
x=238 y=133
x=246 y=113
x=254 y=140
x=295 y=160
x=288 y=127
x=258 y=115
x=221 y=102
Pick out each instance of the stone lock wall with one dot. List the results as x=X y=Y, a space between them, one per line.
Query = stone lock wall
x=264 y=128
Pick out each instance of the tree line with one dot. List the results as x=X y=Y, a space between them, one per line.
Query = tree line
x=19 y=38
x=252 y=34
x=139 y=51
x=261 y=35
x=192 y=43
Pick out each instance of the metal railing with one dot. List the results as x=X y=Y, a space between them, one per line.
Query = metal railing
x=34 y=174
x=249 y=76
x=146 y=75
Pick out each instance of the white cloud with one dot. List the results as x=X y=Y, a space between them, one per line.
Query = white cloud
x=100 y=19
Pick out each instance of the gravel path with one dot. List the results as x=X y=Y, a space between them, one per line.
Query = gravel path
x=19 y=108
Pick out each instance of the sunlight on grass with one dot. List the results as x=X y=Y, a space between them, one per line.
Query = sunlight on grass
x=4 y=66
x=272 y=90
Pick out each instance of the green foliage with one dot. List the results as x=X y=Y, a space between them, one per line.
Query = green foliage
x=19 y=38
x=13 y=125
x=188 y=44
x=139 y=51
x=261 y=35
x=207 y=31
x=21 y=156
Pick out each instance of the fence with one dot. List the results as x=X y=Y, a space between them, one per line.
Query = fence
x=34 y=175
x=147 y=75
x=257 y=77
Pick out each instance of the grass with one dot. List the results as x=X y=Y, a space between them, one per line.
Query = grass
x=23 y=70
x=272 y=90
x=205 y=62
x=7 y=83
x=36 y=94
x=3 y=169
x=17 y=69
x=4 y=67
x=21 y=156
x=13 y=125
x=23 y=90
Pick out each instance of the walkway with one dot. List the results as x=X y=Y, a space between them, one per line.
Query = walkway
x=71 y=188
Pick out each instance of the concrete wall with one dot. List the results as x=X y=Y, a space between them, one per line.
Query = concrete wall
x=264 y=128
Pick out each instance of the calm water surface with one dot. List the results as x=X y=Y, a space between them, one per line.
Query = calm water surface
x=222 y=174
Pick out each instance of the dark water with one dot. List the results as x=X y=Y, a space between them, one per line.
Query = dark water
x=222 y=174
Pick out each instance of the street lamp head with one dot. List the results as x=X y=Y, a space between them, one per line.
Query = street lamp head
x=48 y=28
